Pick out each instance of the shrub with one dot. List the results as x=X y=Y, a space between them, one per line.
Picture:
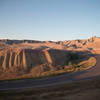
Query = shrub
x=73 y=56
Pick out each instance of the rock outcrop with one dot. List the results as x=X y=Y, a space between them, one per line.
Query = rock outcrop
x=87 y=44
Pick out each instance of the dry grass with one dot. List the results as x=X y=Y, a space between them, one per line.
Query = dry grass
x=84 y=65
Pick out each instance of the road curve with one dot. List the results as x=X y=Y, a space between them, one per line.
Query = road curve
x=34 y=83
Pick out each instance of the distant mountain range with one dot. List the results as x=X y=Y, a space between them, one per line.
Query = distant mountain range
x=86 y=44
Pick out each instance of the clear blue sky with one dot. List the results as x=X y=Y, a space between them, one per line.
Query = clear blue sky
x=49 y=19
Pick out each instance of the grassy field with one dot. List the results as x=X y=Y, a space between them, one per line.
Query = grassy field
x=83 y=90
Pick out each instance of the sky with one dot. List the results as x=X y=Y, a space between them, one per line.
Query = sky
x=49 y=19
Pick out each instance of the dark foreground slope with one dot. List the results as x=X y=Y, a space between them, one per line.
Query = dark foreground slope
x=83 y=90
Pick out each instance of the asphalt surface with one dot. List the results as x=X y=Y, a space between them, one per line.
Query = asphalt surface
x=65 y=78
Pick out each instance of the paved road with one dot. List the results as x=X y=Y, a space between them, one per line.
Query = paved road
x=34 y=83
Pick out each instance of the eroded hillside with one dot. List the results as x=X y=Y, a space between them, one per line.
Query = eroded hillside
x=28 y=58
x=36 y=57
